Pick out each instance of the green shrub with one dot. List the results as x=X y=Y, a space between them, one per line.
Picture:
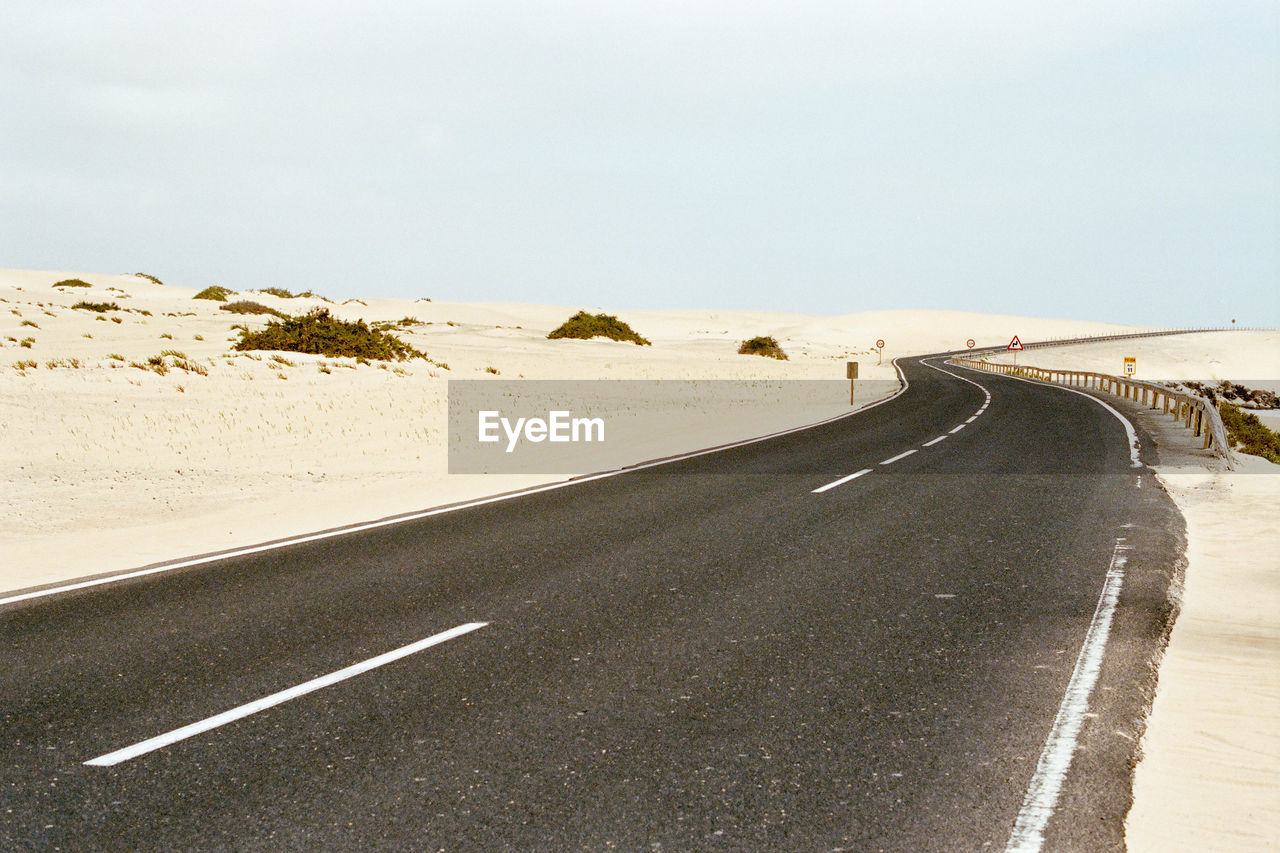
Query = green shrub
x=277 y=291
x=584 y=326
x=97 y=306
x=72 y=282
x=244 y=306
x=1249 y=434
x=762 y=345
x=320 y=333
x=215 y=293
x=31 y=323
x=150 y=278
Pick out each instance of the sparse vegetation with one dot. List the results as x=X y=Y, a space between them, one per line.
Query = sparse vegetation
x=585 y=326
x=244 y=306
x=1245 y=432
x=150 y=278
x=100 y=307
x=24 y=365
x=166 y=336
x=115 y=356
x=117 y=319
x=214 y=293
x=72 y=282
x=197 y=337
x=320 y=333
x=492 y=370
x=31 y=323
x=26 y=342
x=762 y=345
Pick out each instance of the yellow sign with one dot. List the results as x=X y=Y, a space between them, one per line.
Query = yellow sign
x=1130 y=365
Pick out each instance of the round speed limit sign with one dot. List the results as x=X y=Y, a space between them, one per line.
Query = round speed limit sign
x=880 y=344
x=969 y=343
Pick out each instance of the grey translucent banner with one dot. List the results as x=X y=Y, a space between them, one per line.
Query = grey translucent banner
x=582 y=426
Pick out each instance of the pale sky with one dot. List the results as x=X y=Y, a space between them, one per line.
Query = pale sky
x=1088 y=160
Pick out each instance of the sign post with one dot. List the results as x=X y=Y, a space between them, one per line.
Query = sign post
x=851 y=371
x=880 y=350
x=1014 y=346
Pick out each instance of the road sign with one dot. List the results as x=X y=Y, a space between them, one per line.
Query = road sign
x=880 y=344
x=1130 y=365
x=851 y=369
x=1015 y=344
x=969 y=343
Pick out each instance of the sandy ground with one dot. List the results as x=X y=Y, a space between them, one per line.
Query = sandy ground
x=1209 y=778
x=109 y=466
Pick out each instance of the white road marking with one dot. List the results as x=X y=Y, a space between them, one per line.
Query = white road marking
x=955 y=430
x=400 y=519
x=902 y=455
x=1055 y=760
x=152 y=744
x=971 y=419
x=935 y=441
x=841 y=481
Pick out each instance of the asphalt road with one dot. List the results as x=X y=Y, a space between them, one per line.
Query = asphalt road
x=702 y=655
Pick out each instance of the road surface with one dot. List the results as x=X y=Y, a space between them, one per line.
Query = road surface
x=726 y=652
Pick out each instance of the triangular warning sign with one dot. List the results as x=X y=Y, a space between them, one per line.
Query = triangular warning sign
x=1015 y=343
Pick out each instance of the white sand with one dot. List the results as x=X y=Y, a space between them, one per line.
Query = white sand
x=1210 y=773
x=1252 y=358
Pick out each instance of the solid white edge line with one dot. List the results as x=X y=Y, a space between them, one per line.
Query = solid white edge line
x=971 y=419
x=1055 y=760
x=1134 y=458
x=903 y=455
x=841 y=481
x=152 y=744
x=386 y=522
x=935 y=441
x=956 y=429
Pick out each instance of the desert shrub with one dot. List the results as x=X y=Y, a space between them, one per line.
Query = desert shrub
x=277 y=291
x=762 y=345
x=1249 y=434
x=97 y=306
x=26 y=343
x=320 y=333
x=72 y=282
x=584 y=326
x=31 y=323
x=244 y=306
x=23 y=365
x=215 y=293
x=150 y=278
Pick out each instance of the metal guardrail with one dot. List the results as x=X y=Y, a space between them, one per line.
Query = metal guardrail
x=1196 y=413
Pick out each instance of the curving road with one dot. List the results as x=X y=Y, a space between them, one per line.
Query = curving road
x=744 y=650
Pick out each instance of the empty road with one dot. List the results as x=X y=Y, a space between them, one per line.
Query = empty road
x=860 y=636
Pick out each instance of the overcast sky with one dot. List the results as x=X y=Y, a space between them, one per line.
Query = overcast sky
x=1090 y=160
